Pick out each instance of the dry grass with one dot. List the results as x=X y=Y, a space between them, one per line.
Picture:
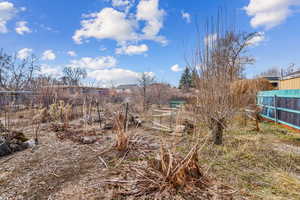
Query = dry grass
x=249 y=162
x=252 y=163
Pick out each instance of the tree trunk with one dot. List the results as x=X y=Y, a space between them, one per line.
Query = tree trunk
x=217 y=132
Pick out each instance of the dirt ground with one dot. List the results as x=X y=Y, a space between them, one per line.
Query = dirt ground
x=66 y=169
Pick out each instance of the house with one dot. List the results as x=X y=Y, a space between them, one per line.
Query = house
x=290 y=81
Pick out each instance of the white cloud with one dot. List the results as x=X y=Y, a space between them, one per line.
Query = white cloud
x=270 y=13
x=256 y=40
x=186 y=16
x=176 y=68
x=72 y=53
x=23 y=9
x=22 y=28
x=24 y=53
x=48 y=55
x=7 y=12
x=123 y=27
x=118 y=3
x=50 y=71
x=97 y=63
x=107 y=24
x=122 y=4
x=149 y=74
x=48 y=28
x=116 y=76
x=148 y=10
x=132 y=49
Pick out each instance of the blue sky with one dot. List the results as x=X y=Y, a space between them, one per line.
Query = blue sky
x=115 y=40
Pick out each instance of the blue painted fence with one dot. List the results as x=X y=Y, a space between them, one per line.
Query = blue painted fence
x=281 y=106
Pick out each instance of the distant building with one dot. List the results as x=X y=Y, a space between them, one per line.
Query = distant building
x=129 y=88
x=79 y=90
x=15 y=97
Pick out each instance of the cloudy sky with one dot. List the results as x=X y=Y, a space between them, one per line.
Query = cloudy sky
x=115 y=40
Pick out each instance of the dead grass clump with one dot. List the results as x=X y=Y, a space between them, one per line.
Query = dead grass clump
x=173 y=175
x=249 y=88
x=121 y=136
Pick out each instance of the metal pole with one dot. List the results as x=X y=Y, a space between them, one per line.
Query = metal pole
x=99 y=114
x=275 y=105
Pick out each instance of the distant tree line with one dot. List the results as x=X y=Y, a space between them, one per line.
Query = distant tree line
x=25 y=74
x=280 y=72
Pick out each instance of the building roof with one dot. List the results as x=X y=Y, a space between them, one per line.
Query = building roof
x=74 y=86
x=127 y=86
x=16 y=92
x=272 y=78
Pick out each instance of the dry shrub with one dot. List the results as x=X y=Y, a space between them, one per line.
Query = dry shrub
x=172 y=175
x=121 y=136
x=178 y=171
x=248 y=88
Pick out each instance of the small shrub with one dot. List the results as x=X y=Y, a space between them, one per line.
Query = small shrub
x=60 y=111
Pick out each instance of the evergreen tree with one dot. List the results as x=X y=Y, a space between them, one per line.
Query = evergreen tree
x=194 y=76
x=186 y=79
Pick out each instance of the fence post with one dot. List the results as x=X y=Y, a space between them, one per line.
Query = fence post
x=126 y=117
x=275 y=105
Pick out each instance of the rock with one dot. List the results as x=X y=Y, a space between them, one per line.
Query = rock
x=16 y=145
x=88 y=139
x=4 y=148
x=30 y=143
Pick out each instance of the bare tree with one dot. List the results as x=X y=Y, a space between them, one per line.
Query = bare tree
x=160 y=93
x=218 y=63
x=273 y=71
x=45 y=85
x=17 y=74
x=289 y=70
x=73 y=75
x=144 y=81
